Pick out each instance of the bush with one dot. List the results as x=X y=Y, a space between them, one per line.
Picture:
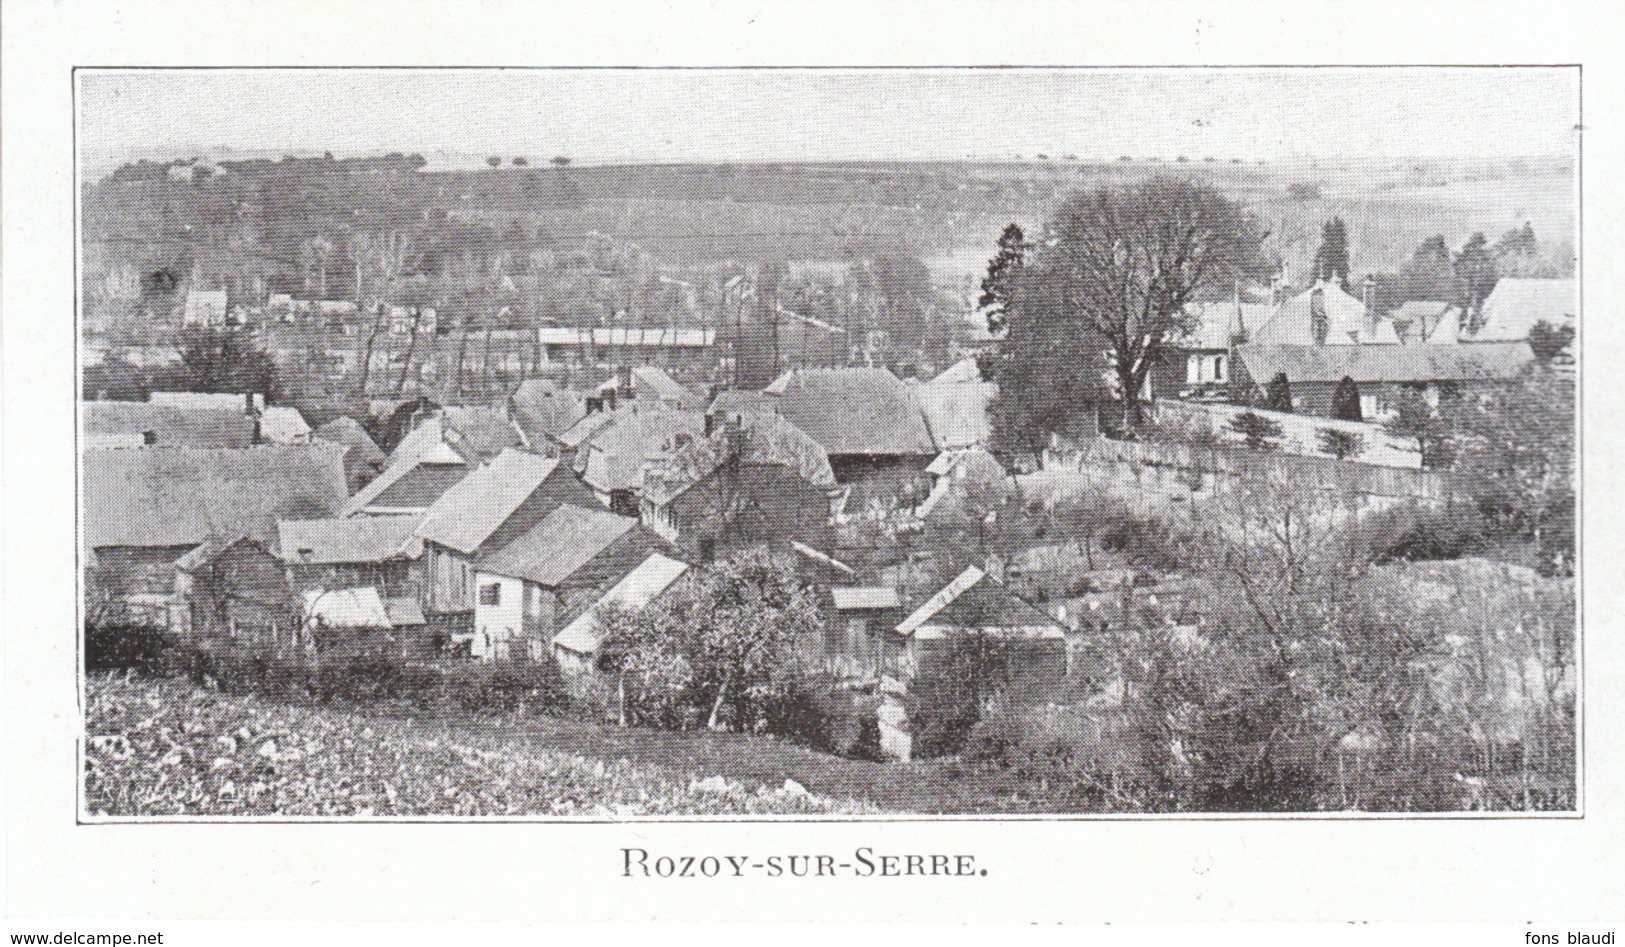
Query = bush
x=122 y=647
x=815 y=711
x=1409 y=534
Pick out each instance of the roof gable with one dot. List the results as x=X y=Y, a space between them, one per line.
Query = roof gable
x=468 y=513
x=555 y=548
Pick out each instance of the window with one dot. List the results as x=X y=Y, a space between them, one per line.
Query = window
x=1218 y=368
x=491 y=594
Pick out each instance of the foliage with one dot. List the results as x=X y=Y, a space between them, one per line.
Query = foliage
x=1346 y=401
x=1478 y=275
x=1341 y=444
x=1259 y=432
x=1415 y=534
x=116 y=645
x=163 y=747
x=954 y=687
x=225 y=360
x=721 y=648
x=1413 y=418
x=1548 y=341
x=1278 y=394
x=1003 y=273
x=1115 y=272
x=1332 y=258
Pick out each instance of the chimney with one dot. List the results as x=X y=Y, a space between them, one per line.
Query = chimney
x=736 y=438
x=623 y=381
x=149 y=438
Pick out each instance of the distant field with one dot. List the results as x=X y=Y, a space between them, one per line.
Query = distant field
x=823 y=214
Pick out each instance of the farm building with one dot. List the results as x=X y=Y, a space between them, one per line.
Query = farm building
x=556 y=568
x=855 y=632
x=343 y=552
x=280 y=424
x=483 y=512
x=753 y=479
x=434 y=457
x=363 y=459
x=975 y=602
x=144 y=509
x=576 y=646
x=1382 y=374
x=360 y=620
x=235 y=591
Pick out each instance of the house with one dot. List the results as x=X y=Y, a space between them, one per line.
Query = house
x=432 y=458
x=143 y=424
x=1196 y=363
x=235 y=591
x=867 y=421
x=553 y=570
x=955 y=405
x=974 y=601
x=363 y=459
x=1426 y=321
x=1515 y=305
x=632 y=438
x=576 y=645
x=344 y=552
x=543 y=410
x=483 y=512
x=280 y=424
x=1325 y=315
x=1382 y=374
x=142 y=510
x=205 y=308
x=753 y=479
x=360 y=620
x=854 y=640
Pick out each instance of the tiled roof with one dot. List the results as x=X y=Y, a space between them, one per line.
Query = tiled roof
x=638 y=588
x=764 y=438
x=183 y=496
x=360 y=607
x=171 y=426
x=973 y=600
x=466 y=515
x=853 y=411
x=552 y=550
x=1515 y=305
x=349 y=539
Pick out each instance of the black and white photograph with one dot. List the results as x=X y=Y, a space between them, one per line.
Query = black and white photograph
x=837 y=443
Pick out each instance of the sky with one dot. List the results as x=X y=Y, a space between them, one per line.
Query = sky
x=669 y=115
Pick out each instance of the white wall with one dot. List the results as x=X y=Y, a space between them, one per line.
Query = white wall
x=494 y=624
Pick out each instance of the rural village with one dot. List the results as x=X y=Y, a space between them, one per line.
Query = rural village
x=1158 y=505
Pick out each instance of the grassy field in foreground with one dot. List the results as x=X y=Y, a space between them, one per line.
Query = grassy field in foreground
x=165 y=747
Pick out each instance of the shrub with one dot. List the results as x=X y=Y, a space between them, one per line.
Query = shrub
x=1413 y=534
x=120 y=647
x=1259 y=432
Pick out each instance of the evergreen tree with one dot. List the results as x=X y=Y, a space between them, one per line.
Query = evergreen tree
x=1002 y=273
x=1278 y=394
x=1477 y=273
x=1332 y=259
x=1346 y=401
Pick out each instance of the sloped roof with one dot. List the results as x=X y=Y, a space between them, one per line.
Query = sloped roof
x=348 y=431
x=172 y=426
x=349 y=539
x=614 y=457
x=1293 y=321
x=1432 y=320
x=360 y=607
x=733 y=401
x=584 y=428
x=467 y=514
x=280 y=424
x=554 y=549
x=765 y=438
x=1515 y=305
x=972 y=599
x=651 y=380
x=544 y=410
x=864 y=598
x=409 y=486
x=1389 y=363
x=478 y=433
x=183 y=496
x=220 y=401
x=853 y=410
x=638 y=588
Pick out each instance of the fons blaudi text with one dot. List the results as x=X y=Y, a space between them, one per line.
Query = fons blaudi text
x=862 y=862
x=1573 y=937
